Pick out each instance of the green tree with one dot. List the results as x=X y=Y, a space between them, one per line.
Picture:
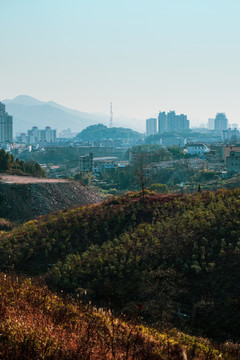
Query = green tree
x=159 y=188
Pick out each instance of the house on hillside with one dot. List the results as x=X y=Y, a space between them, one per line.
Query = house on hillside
x=197 y=149
x=86 y=163
x=100 y=164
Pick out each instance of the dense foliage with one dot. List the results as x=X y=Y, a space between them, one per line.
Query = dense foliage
x=100 y=131
x=36 y=324
x=15 y=166
x=174 y=257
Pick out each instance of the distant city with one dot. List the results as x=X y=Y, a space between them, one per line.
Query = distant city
x=169 y=122
x=99 y=147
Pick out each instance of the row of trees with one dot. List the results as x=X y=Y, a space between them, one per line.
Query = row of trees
x=19 y=167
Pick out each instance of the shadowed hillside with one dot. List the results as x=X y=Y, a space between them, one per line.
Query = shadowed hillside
x=24 y=198
x=36 y=324
x=175 y=257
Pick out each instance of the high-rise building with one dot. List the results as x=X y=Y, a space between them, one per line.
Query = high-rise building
x=182 y=122
x=211 y=124
x=221 y=122
x=162 y=122
x=36 y=136
x=171 y=122
x=151 y=126
x=6 y=125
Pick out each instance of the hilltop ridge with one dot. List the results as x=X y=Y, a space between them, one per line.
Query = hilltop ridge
x=23 y=198
x=28 y=111
x=174 y=257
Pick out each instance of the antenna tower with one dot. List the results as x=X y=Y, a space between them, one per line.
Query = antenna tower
x=111 y=116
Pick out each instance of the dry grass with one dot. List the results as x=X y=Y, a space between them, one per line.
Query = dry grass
x=36 y=324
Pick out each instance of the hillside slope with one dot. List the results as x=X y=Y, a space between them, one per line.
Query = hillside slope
x=174 y=257
x=24 y=198
x=36 y=324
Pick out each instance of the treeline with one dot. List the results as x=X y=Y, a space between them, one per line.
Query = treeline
x=19 y=167
x=174 y=258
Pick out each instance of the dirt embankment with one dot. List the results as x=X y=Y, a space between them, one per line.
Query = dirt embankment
x=25 y=198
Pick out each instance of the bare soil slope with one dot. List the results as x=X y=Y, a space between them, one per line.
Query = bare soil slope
x=24 y=198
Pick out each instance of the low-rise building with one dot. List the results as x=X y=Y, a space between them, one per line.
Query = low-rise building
x=230 y=134
x=233 y=161
x=216 y=153
x=101 y=164
x=86 y=163
x=174 y=141
x=230 y=148
x=197 y=149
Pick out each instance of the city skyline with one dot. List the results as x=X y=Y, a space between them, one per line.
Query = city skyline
x=141 y=56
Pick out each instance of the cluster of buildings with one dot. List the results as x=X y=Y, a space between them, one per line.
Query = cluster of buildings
x=109 y=151
x=230 y=134
x=170 y=122
x=219 y=123
x=218 y=156
x=97 y=165
x=6 y=126
x=38 y=136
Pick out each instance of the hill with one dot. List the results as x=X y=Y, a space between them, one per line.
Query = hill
x=36 y=324
x=28 y=111
x=23 y=198
x=100 y=132
x=175 y=257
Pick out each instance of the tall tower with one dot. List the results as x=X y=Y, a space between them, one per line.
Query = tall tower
x=111 y=116
x=221 y=122
x=151 y=126
x=6 y=125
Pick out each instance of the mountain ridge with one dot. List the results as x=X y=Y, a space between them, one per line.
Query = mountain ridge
x=28 y=111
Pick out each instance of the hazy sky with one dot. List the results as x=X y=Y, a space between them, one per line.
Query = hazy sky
x=143 y=55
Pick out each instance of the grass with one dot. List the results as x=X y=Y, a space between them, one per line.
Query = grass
x=37 y=324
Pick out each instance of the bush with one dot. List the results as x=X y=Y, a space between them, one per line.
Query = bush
x=159 y=188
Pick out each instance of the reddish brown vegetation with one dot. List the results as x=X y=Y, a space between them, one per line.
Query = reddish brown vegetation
x=36 y=324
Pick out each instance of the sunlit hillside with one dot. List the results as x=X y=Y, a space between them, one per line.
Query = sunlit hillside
x=36 y=324
x=174 y=258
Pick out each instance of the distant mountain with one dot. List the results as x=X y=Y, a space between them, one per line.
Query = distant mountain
x=28 y=111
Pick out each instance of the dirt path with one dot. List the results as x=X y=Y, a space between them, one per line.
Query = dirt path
x=14 y=179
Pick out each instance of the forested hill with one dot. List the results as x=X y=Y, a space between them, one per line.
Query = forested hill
x=174 y=258
x=100 y=131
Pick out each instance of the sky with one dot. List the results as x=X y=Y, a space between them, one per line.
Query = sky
x=144 y=56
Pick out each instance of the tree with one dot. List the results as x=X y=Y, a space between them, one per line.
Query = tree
x=159 y=188
x=142 y=172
